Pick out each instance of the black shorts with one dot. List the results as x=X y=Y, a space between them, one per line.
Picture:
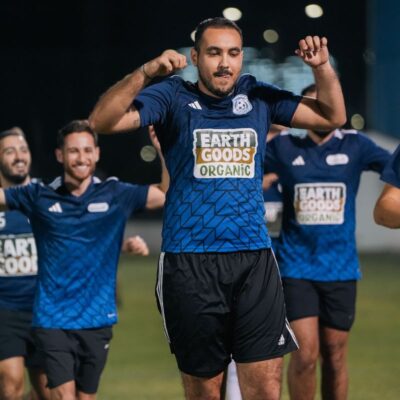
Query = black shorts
x=74 y=355
x=333 y=302
x=16 y=338
x=215 y=305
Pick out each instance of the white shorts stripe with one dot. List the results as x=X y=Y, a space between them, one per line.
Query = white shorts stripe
x=159 y=290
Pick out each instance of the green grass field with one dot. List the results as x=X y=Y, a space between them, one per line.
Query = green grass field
x=140 y=365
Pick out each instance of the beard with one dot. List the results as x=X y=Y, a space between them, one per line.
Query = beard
x=212 y=89
x=14 y=178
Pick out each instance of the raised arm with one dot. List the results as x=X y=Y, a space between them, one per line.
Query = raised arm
x=387 y=208
x=114 y=111
x=327 y=111
x=156 y=195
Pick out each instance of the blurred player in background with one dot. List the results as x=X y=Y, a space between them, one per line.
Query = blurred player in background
x=387 y=208
x=78 y=223
x=316 y=250
x=18 y=275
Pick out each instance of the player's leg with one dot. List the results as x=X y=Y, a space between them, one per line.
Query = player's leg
x=93 y=351
x=261 y=334
x=197 y=388
x=268 y=372
x=39 y=389
x=12 y=378
x=302 y=305
x=336 y=319
x=193 y=293
x=303 y=362
x=334 y=346
x=58 y=350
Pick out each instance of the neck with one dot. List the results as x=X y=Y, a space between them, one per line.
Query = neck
x=319 y=139
x=76 y=187
x=5 y=183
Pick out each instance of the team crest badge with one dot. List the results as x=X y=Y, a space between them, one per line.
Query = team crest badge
x=241 y=105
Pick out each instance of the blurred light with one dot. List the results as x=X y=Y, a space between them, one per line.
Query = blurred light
x=232 y=13
x=271 y=36
x=357 y=122
x=314 y=11
x=192 y=35
x=148 y=153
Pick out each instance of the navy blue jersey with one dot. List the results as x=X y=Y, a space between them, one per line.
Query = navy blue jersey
x=214 y=151
x=18 y=262
x=78 y=240
x=319 y=186
x=391 y=173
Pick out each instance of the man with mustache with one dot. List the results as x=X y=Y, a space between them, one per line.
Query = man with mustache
x=18 y=275
x=218 y=287
x=316 y=250
x=78 y=223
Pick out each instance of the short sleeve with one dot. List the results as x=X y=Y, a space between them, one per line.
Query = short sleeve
x=154 y=102
x=131 y=197
x=374 y=157
x=23 y=198
x=282 y=104
x=391 y=173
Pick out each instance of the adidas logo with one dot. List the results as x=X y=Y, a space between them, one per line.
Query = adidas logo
x=56 y=208
x=281 y=341
x=196 y=105
x=298 y=161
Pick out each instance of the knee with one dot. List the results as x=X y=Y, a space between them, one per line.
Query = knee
x=304 y=360
x=11 y=388
x=334 y=356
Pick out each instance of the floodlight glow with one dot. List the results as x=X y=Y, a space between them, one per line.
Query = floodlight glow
x=357 y=121
x=232 y=13
x=271 y=36
x=314 y=11
x=148 y=153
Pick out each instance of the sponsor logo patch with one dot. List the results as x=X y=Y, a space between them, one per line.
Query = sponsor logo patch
x=98 y=207
x=18 y=255
x=224 y=153
x=320 y=203
x=337 y=159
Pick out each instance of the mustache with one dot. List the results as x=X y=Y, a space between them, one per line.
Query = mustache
x=19 y=161
x=222 y=72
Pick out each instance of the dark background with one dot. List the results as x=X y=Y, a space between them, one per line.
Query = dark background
x=57 y=58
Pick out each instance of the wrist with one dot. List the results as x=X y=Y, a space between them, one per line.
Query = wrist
x=146 y=75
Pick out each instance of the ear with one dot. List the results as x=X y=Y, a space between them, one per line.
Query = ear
x=59 y=156
x=193 y=56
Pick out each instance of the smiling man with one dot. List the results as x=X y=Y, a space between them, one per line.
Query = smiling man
x=78 y=223
x=218 y=287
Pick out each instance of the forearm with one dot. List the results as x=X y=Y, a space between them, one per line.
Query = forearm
x=387 y=212
x=3 y=205
x=329 y=95
x=114 y=105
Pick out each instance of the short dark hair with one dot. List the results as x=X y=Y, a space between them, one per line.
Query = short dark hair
x=309 y=88
x=216 y=22
x=76 y=126
x=15 y=131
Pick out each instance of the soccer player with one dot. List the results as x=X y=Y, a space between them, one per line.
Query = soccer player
x=316 y=251
x=218 y=286
x=387 y=208
x=78 y=224
x=18 y=273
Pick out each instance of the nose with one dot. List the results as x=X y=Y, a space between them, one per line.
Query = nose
x=224 y=60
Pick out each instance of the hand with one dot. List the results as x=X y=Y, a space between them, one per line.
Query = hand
x=314 y=51
x=168 y=62
x=268 y=180
x=135 y=245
